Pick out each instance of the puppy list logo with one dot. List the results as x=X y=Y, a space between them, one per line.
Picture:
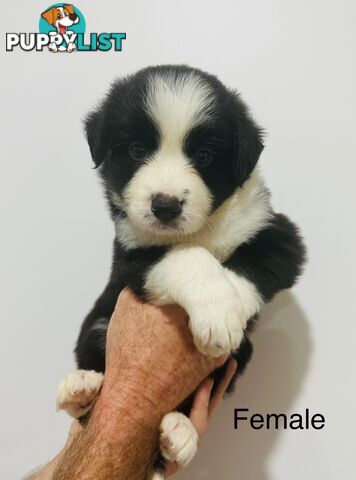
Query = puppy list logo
x=62 y=29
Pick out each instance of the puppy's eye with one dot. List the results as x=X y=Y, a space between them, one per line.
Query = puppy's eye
x=137 y=151
x=204 y=157
x=58 y=15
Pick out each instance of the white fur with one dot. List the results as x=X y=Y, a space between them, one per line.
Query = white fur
x=77 y=391
x=101 y=325
x=178 y=438
x=251 y=300
x=175 y=106
x=153 y=475
x=170 y=174
x=218 y=301
x=221 y=302
x=235 y=222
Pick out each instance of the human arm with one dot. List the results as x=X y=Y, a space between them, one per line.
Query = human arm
x=203 y=407
x=142 y=383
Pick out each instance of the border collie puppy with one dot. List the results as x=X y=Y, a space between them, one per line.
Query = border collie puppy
x=177 y=152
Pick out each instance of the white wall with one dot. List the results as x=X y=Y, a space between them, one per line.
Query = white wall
x=294 y=62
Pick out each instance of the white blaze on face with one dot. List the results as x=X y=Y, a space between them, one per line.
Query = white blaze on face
x=176 y=104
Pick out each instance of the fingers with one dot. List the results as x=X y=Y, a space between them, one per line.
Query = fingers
x=219 y=393
x=204 y=405
x=200 y=408
x=171 y=469
x=198 y=416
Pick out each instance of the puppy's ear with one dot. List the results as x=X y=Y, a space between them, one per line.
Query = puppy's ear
x=48 y=15
x=94 y=131
x=69 y=8
x=248 y=146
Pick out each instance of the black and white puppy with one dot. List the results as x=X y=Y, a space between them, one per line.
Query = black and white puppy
x=177 y=152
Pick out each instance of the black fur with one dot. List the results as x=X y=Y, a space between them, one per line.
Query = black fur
x=271 y=260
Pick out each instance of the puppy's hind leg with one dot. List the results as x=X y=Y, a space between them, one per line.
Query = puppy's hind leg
x=77 y=392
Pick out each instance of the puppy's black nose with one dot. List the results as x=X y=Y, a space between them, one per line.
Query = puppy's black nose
x=73 y=16
x=165 y=207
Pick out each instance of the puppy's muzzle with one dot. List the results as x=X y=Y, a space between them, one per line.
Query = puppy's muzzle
x=166 y=207
x=73 y=17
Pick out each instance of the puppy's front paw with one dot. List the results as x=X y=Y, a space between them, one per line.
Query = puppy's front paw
x=77 y=391
x=178 y=439
x=217 y=321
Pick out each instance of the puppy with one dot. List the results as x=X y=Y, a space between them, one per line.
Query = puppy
x=178 y=152
x=61 y=18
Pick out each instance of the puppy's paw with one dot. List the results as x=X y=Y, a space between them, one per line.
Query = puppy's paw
x=77 y=391
x=156 y=475
x=217 y=321
x=178 y=438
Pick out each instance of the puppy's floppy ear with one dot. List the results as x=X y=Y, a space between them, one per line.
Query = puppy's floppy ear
x=94 y=131
x=69 y=8
x=48 y=15
x=248 y=146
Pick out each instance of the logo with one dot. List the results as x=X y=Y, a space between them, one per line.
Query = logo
x=62 y=29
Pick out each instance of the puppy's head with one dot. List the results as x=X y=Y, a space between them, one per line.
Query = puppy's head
x=172 y=144
x=61 y=17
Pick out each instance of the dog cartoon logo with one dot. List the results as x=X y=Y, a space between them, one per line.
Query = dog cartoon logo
x=62 y=29
x=62 y=18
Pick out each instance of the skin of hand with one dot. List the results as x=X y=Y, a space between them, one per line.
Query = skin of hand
x=203 y=407
x=157 y=351
x=142 y=383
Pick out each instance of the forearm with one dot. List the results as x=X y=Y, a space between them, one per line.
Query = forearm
x=120 y=439
x=118 y=442
x=93 y=455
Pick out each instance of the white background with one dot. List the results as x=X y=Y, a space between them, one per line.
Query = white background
x=294 y=63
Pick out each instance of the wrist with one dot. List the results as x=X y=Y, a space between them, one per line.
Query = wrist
x=160 y=387
x=128 y=402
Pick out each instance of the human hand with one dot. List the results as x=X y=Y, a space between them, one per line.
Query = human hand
x=151 y=357
x=147 y=376
x=204 y=405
